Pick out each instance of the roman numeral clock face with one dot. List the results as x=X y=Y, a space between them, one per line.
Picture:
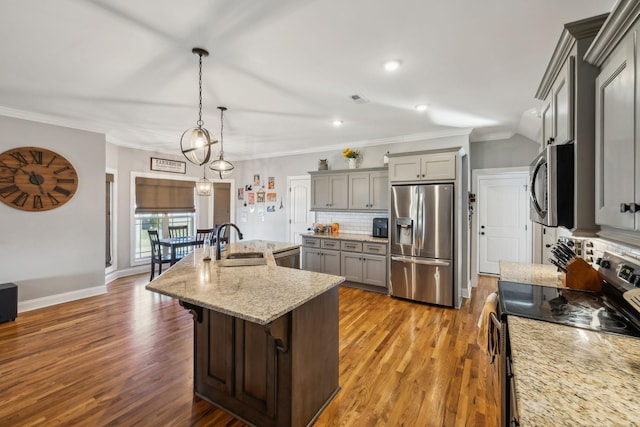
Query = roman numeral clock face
x=36 y=179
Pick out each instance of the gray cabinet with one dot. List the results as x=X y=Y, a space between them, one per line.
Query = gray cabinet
x=317 y=257
x=369 y=191
x=616 y=168
x=364 y=263
x=361 y=190
x=617 y=118
x=424 y=167
x=358 y=262
x=567 y=89
x=329 y=192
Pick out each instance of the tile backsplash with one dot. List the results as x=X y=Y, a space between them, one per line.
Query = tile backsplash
x=350 y=222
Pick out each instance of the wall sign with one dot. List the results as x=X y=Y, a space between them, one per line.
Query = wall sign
x=166 y=165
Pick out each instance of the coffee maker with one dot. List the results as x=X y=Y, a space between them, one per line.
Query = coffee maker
x=380 y=227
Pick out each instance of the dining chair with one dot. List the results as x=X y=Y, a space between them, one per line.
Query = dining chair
x=205 y=233
x=156 y=253
x=178 y=230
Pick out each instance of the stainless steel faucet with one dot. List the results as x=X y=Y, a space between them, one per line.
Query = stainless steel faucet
x=220 y=228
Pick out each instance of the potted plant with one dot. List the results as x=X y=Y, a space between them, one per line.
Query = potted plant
x=352 y=156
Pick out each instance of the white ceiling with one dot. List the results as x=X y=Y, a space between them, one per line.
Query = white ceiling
x=284 y=68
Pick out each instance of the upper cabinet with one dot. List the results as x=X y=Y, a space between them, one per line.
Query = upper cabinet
x=436 y=166
x=617 y=117
x=568 y=111
x=350 y=190
x=369 y=190
x=329 y=191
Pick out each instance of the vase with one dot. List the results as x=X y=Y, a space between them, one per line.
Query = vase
x=353 y=163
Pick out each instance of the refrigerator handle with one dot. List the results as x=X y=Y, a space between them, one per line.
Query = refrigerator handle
x=421 y=261
x=419 y=234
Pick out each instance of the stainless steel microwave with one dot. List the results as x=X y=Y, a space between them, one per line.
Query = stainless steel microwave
x=551 y=188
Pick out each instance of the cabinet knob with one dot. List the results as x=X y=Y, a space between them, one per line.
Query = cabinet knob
x=625 y=207
x=634 y=207
x=418 y=176
x=482 y=233
x=551 y=140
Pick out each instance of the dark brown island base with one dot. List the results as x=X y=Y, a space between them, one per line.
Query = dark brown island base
x=265 y=337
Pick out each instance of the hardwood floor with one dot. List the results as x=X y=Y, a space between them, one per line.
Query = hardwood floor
x=126 y=358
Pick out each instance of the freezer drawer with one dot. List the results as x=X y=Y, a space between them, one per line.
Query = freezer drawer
x=422 y=279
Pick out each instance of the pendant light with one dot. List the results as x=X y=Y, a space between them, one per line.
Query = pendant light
x=221 y=166
x=203 y=186
x=196 y=142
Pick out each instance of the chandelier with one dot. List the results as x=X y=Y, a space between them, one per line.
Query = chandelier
x=221 y=166
x=196 y=142
x=203 y=186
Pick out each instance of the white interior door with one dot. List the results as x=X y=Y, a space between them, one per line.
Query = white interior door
x=503 y=221
x=298 y=207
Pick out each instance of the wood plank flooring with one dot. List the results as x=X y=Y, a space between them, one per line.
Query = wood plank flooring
x=126 y=358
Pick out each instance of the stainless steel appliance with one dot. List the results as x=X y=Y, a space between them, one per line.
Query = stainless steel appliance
x=380 y=227
x=551 y=188
x=289 y=258
x=422 y=243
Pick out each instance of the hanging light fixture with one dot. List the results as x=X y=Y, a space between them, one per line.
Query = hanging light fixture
x=196 y=142
x=221 y=166
x=203 y=186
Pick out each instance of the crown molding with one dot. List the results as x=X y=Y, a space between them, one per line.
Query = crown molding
x=49 y=120
x=622 y=17
x=571 y=32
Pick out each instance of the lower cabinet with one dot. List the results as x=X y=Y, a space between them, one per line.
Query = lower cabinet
x=360 y=262
x=360 y=265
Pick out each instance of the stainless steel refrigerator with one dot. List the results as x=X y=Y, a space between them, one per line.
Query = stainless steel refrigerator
x=422 y=243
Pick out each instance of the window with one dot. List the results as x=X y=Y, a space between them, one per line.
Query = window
x=159 y=204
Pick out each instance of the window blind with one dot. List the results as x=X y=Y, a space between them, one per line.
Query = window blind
x=164 y=195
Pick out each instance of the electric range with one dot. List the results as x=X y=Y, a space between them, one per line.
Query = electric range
x=616 y=309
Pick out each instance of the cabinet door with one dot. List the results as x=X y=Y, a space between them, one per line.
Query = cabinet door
x=311 y=260
x=352 y=266
x=339 y=191
x=562 y=92
x=320 y=192
x=615 y=163
x=547 y=123
x=359 y=192
x=438 y=166
x=331 y=262
x=374 y=270
x=404 y=168
x=379 y=190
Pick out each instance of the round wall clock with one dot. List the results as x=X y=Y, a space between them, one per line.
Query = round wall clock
x=36 y=179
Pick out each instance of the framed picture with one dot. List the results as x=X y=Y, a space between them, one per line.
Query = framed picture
x=272 y=197
x=260 y=196
x=240 y=193
x=256 y=179
x=252 y=196
x=166 y=165
x=272 y=183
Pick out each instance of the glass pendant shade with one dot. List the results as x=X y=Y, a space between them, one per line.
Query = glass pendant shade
x=203 y=186
x=196 y=142
x=221 y=166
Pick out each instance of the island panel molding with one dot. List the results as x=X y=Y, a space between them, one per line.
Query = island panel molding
x=36 y=179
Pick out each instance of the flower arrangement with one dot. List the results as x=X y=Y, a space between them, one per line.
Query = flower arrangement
x=351 y=154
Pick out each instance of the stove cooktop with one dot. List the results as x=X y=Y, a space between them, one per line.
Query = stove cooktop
x=571 y=307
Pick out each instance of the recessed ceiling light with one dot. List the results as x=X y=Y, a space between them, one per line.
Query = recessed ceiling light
x=337 y=123
x=392 y=65
x=421 y=107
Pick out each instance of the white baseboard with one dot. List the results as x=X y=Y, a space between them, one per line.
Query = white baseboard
x=108 y=278
x=60 y=298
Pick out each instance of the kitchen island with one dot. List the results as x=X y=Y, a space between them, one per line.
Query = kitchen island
x=265 y=337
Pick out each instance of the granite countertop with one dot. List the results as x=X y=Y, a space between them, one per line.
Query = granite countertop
x=567 y=376
x=260 y=293
x=537 y=274
x=348 y=236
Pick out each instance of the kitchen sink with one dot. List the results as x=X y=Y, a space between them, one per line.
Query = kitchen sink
x=243 y=259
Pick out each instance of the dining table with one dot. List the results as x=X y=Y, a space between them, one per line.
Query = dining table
x=175 y=243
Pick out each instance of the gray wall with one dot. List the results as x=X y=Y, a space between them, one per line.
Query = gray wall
x=515 y=151
x=60 y=250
